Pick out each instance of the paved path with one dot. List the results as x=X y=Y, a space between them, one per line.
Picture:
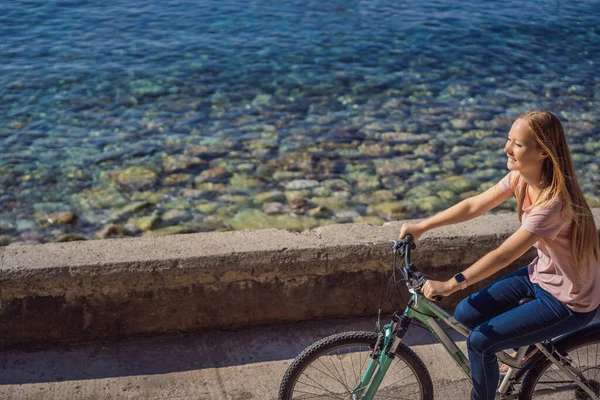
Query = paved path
x=246 y=364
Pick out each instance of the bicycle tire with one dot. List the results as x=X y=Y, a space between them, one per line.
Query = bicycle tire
x=337 y=351
x=545 y=376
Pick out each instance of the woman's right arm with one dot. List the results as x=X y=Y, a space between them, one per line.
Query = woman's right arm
x=464 y=211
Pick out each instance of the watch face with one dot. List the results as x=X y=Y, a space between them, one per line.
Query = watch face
x=460 y=278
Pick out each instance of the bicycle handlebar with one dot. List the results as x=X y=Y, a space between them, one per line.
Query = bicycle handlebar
x=414 y=278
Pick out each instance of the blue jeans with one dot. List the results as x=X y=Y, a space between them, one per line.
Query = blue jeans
x=499 y=323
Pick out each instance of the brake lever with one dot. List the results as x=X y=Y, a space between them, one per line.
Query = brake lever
x=424 y=278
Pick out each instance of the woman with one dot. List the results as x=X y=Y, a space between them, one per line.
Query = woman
x=564 y=279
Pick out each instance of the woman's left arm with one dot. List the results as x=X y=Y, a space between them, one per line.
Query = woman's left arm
x=512 y=248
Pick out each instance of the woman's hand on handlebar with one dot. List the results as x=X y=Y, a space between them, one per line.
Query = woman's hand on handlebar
x=416 y=230
x=432 y=288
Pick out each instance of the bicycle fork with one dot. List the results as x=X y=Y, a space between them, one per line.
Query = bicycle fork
x=382 y=356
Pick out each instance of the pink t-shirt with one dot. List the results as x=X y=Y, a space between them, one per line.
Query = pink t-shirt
x=552 y=269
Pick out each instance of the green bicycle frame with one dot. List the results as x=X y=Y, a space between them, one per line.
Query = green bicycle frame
x=378 y=366
x=427 y=313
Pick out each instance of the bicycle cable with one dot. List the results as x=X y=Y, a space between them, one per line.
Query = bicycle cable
x=378 y=323
x=386 y=287
x=400 y=292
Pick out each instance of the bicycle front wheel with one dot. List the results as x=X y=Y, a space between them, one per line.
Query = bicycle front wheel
x=332 y=367
x=546 y=381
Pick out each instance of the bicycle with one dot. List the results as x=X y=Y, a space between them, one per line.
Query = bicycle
x=377 y=365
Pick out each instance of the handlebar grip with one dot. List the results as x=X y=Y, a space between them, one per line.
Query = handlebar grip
x=409 y=237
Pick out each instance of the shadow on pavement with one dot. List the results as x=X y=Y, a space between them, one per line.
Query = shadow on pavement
x=176 y=353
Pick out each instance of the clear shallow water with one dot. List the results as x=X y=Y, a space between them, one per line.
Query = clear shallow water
x=278 y=93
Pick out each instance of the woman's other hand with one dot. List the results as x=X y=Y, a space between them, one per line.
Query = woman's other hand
x=416 y=230
x=436 y=288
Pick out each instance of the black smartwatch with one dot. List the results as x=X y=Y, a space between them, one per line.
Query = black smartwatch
x=462 y=281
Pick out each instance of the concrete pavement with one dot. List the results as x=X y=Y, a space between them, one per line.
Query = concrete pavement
x=246 y=364
x=218 y=365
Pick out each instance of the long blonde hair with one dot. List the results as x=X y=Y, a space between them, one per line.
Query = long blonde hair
x=558 y=182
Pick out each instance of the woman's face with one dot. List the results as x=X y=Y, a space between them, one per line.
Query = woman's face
x=524 y=154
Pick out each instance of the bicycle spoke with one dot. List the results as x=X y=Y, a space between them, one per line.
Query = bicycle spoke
x=344 y=372
x=338 y=374
x=311 y=395
x=361 y=366
x=332 y=378
x=597 y=368
x=337 y=395
x=396 y=367
x=398 y=371
x=333 y=372
x=323 y=373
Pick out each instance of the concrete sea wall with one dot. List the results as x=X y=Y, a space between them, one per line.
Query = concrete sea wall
x=219 y=280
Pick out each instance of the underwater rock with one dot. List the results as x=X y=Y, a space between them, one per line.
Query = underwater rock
x=431 y=203
x=375 y=150
x=127 y=101
x=31 y=236
x=145 y=223
x=207 y=208
x=400 y=166
x=301 y=184
x=217 y=174
x=246 y=182
x=235 y=198
x=371 y=220
x=276 y=208
x=129 y=210
x=271 y=197
x=136 y=178
x=337 y=184
x=181 y=163
x=367 y=182
x=204 y=152
x=6 y=225
x=300 y=205
x=175 y=215
x=592 y=200
x=388 y=209
x=255 y=219
x=70 y=237
x=113 y=231
x=26 y=225
x=5 y=240
x=245 y=168
x=346 y=216
x=171 y=230
x=177 y=179
x=207 y=224
x=60 y=218
x=334 y=203
x=320 y=212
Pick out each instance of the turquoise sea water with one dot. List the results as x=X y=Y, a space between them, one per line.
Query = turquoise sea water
x=208 y=115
